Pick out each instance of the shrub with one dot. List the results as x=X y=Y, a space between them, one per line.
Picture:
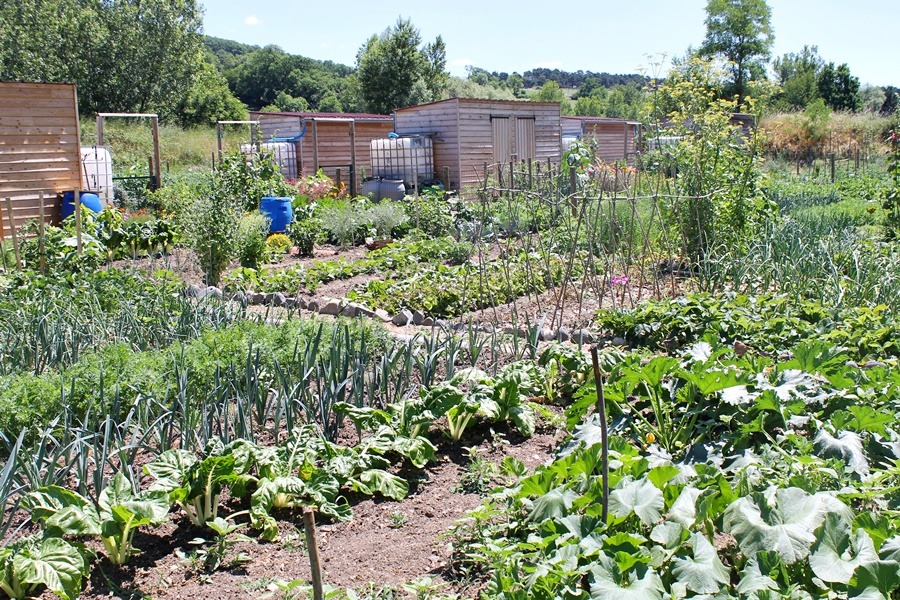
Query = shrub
x=252 y=250
x=304 y=234
x=346 y=225
x=386 y=218
x=278 y=244
x=211 y=231
x=430 y=213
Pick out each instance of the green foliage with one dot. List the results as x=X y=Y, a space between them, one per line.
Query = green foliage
x=125 y=56
x=385 y=218
x=252 y=247
x=211 y=231
x=740 y=31
x=247 y=179
x=838 y=88
x=29 y=563
x=394 y=72
x=718 y=171
x=891 y=196
x=304 y=233
x=278 y=244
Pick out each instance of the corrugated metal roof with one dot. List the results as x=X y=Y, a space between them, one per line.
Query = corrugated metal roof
x=325 y=116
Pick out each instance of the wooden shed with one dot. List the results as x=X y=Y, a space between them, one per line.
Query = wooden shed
x=327 y=141
x=39 y=148
x=616 y=139
x=468 y=132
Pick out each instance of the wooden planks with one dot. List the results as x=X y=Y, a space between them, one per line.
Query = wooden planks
x=39 y=147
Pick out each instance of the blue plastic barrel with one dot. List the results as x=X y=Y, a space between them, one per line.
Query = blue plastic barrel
x=88 y=199
x=278 y=210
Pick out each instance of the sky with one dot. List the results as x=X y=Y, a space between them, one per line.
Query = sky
x=626 y=36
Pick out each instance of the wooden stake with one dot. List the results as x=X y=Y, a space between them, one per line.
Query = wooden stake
x=337 y=180
x=154 y=121
x=353 y=159
x=78 y=221
x=604 y=433
x=447 y=180
x=41 y=232
x=312 y=547
x=15 y=236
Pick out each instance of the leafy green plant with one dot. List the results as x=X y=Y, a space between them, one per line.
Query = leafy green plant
x=220 y=552
x=192 y=482
x=278 y=244
x=385 y=218
x=29 y=563
x=252 y=249
x=304 y=234
x=211 y=225
x=115 y=519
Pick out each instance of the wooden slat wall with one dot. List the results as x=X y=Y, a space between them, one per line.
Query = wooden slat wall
x=475 y=133
x=615 y=141
x=333 y=138
x=39 y=147
x=441 y=121
x=462 y=128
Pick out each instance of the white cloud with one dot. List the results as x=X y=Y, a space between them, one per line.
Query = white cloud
x=549 y=64
x=252 y=20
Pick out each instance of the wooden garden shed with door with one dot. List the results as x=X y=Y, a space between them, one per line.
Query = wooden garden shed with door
x=616 y=139
x=39 y=148
x=327 y=141
x=468 y=132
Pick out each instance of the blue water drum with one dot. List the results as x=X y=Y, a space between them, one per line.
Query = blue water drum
x=278 y=210
x=88 y=199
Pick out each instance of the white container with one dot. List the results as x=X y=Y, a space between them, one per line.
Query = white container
x=284 y=153
x=409 y=159
x=96 y=172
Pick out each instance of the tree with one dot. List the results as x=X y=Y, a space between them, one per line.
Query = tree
x=797 y=73
x=125 y=56
x=208 y=98
x=261 y=75
x=891 y=101
x=739 y=31
x=394 y=72
x=871 y=98
x=838 y=87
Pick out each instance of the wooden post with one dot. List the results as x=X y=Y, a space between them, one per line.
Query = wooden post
x=43 y=263
x=78 y=221
x=857 y=158
x=219 y=135
x=447 y=180
x=15 y=236
x=353 y=159
x=151 y=171
x=831 y=158
x=315 y=144
x=573 y=184
x=213 y=160
x=312 y=548
x=99 y=130
x=415 y=181
x=337 y=179
x=154 y=121
x=530 y=176
x=604 y=434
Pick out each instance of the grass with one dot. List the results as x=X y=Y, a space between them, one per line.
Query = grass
x=131 y=142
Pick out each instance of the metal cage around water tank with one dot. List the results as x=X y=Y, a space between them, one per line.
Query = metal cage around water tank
x=410 y=159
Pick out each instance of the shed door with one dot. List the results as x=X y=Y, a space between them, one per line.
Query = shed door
x=501 y=139
x=512 y=139
x=525 y=144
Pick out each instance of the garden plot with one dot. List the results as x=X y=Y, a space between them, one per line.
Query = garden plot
x=746 y=376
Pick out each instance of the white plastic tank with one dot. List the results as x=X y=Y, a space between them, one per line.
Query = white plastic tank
x=409 y=159
x=96 y=172
x=284 y=153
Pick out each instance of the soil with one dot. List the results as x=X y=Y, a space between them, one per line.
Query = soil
x=386 y=544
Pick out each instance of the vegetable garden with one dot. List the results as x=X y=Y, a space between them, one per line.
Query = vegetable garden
x=675 y=381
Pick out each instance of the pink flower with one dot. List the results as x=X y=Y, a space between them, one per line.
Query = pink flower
x=618 y=280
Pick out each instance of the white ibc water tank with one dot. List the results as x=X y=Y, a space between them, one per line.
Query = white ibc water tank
x=96 y=172
x=284 y=153
x=409 y=159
